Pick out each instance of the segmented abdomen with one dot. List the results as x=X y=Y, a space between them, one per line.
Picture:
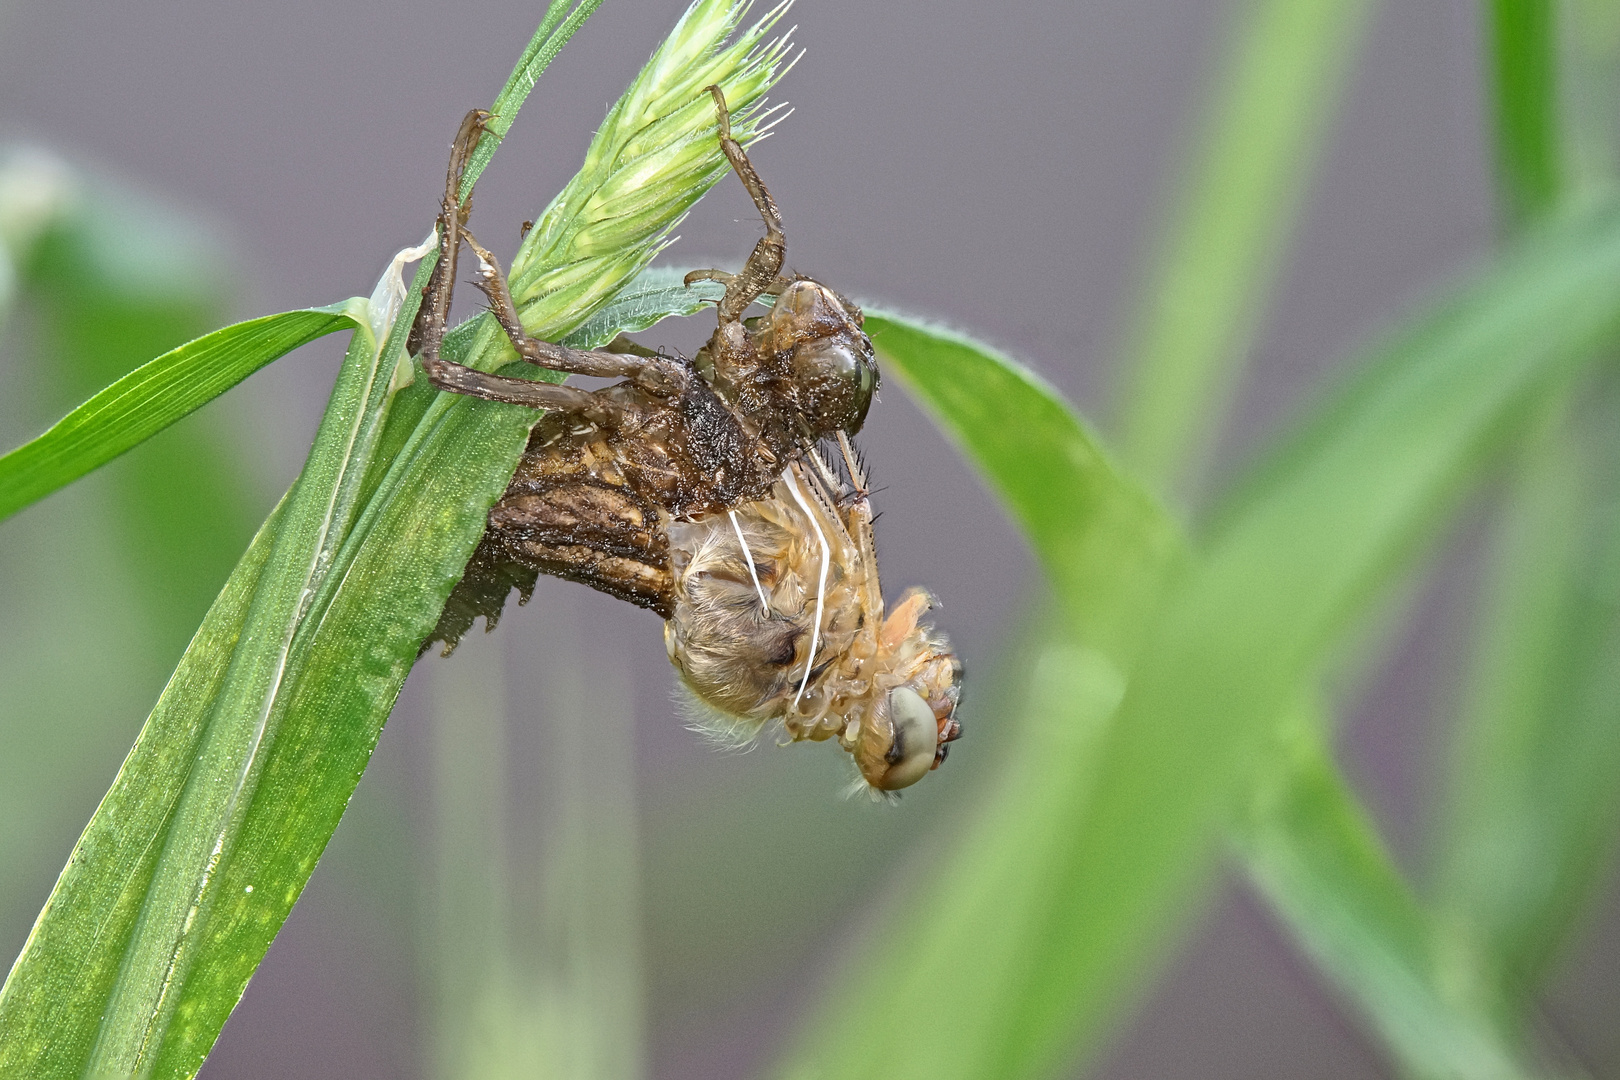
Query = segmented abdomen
x=570 y=511
x=592 y=504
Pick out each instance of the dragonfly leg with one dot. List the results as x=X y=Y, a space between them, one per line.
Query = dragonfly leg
x=427 y=333
x=657 y=374
x=760 y=273
x=592 y=407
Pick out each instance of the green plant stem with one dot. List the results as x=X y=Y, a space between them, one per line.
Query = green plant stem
x=548 y=39
x=1230 y=225
x=1318 y=860
x=1531 y=172
x=471 y=999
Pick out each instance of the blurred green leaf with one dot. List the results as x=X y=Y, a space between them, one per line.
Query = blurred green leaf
x=1588 y=41
x=1102 y=540
x=472 y=999
x=1316 y=532
x=155 y=395
x=1532 y=815
x=1320 y=863
x=1332 y=883
x=116 y=280
x=1046 y=953
x=1266 y=125
x=537 y=970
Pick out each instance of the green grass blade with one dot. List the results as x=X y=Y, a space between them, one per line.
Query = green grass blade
x=152 y=397
x=1103 y=541
x=1531 y=173
x=207 y=819
x=1315 y=534
x=48 y=1007
x=356 y=643
x=1318 y=860
x=344 y=671
x=1531 y=814
x=1231 y=223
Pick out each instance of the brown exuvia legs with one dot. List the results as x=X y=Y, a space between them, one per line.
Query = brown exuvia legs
x=759 y=273
x=659 y=376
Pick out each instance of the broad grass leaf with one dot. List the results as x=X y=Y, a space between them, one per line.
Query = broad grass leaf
x=155 y=395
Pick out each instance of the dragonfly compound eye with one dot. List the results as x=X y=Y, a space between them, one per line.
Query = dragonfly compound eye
x=831 y=373
x=916 y=738
x=833 y=380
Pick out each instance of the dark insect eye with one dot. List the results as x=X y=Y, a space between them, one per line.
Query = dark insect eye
x=833 y=381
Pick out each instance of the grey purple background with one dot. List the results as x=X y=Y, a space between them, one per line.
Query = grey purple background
x=996 y=165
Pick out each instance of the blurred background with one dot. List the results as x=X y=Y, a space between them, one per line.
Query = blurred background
x=1001 y=168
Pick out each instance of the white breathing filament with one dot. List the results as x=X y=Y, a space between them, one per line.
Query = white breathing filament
x=748 y=557
x=821 y=587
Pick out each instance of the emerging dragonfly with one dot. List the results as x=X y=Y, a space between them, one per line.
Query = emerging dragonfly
x=696 y=488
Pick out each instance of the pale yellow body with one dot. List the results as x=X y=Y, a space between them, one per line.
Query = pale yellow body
x=745 y=638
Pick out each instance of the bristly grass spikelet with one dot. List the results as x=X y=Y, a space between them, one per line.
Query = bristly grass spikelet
x=654 y=156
